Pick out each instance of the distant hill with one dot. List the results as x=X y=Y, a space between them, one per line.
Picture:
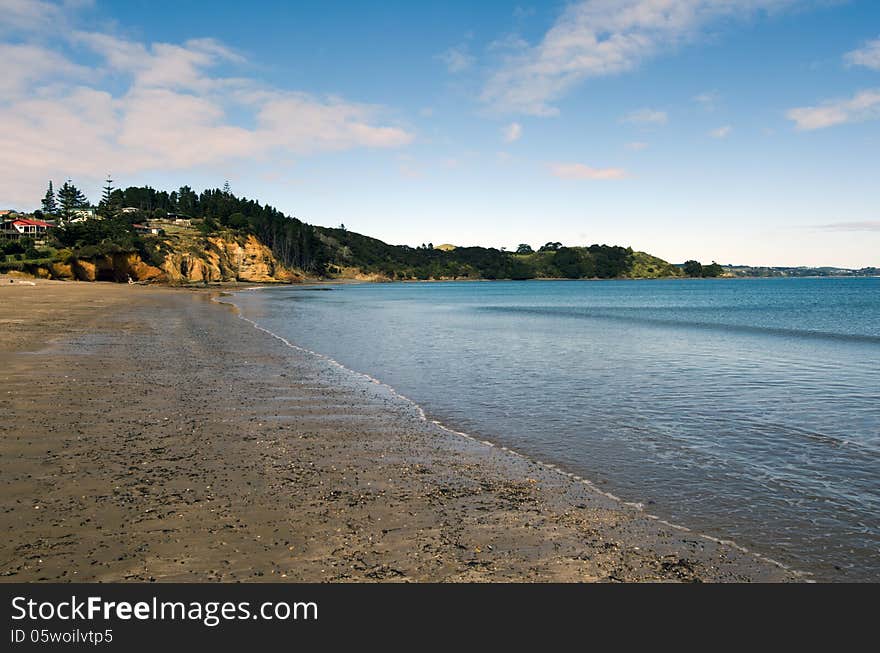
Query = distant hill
x=764 y=271
x=348 y=251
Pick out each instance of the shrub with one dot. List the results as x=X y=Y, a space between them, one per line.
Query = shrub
x=12 y=247
x=88 y=252
x=64 y=255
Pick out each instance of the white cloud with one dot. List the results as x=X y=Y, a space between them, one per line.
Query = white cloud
x=863 y=106
x=456 y=59
x=513 y=132
x=508 y=42
x=188 y=131
x=171 y=112
x=866 y=225
x=303 y=123
x=868 y=55
x=636 y=146
x=721 y=132
x=594 y=38
x=581 y=171
x=646 y=117
x=163 y=65
x=25 y=65
x=28 y=15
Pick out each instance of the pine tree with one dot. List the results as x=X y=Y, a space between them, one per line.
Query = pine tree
x=226 y=189
x=106 y=209
x=49 y=205
x=70 y=198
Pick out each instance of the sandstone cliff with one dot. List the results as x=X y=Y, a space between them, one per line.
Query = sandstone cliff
x=114 y=267
x=242 y=258
x=223 y=259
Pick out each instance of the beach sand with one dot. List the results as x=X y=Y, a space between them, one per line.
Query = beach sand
x=148 y=433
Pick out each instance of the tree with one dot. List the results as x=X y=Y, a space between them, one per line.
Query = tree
x=106 y=208
x=693 y=268
x=569 y=263
x=523 y=248
x=187 y=201
x=49 y=205
x=550 y=247
x=713 y=270
x=237 y=220
x=226 y=189
x=609 y=261
x=70 y=198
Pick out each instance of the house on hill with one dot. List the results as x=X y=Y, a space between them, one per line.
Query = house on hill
x=148 y=229
x=87 y=213
x=180 y=219
x=16 y=228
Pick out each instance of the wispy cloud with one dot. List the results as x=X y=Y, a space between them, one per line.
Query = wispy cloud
x=636 y=146
x=25 y=64
x=456 y=59
x=164 y=65
x=646 y=117
x=581 y=171
x=30 y=15
x=863 y=106
x=868 y=55
x=513 y=132
x=721 y=132
x=169 y=109
x=707 y=99
x=520 y=13
x=594 y=38
x=867 y=225
x=410 y=168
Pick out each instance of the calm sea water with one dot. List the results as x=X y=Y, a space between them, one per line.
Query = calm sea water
x=748 y=409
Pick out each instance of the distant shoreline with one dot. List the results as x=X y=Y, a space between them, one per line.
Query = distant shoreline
x=7 y=278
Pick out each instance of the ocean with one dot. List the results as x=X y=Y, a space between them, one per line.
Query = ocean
x=748 y=409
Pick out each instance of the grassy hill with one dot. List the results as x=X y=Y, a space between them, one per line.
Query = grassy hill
x=346 y=251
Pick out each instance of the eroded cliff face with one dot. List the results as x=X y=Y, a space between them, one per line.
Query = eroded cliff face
x=117 y=267
x=222 y=259
x=245 y=259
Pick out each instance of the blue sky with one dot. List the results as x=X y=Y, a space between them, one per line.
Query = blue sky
x=742 y=131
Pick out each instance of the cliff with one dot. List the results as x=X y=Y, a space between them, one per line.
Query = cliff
x=112 y=267
x=220 y=258
x=227 y=259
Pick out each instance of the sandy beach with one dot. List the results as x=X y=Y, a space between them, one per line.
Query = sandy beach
x=149 y=434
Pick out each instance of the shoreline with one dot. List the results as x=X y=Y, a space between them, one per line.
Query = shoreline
x=478 y=440
x=314 y=477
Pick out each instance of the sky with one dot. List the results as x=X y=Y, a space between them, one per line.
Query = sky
x=740 y=131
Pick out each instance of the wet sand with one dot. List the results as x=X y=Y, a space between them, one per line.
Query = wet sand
x=149 y=434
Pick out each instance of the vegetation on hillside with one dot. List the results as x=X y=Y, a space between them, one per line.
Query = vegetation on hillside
x=697 y=269
x=317 y=251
